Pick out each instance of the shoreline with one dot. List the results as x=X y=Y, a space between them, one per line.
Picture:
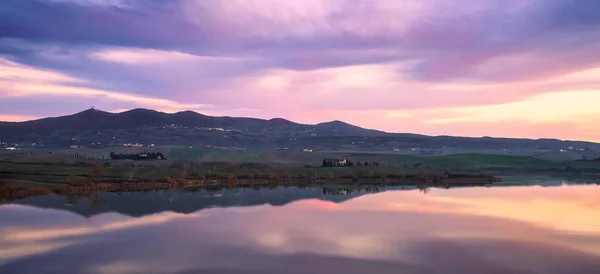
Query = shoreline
x=65 y=190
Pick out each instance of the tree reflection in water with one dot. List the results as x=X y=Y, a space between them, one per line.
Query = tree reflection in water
x=96 y=201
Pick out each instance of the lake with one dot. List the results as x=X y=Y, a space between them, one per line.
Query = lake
x=547 y=226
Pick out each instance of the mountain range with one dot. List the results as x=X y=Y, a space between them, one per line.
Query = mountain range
x=94 y=119
x=99 y=128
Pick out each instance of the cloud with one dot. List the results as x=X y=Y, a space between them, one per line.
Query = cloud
x=17 y=80
x=110 y=3
x=424 y=63
x=21 y=89
x=13 y=71
x=141 y=56
x=568 y=107
x=382 y=87
x=449 y=39
x=144 y=23
x=17 y=118
x=502 y=224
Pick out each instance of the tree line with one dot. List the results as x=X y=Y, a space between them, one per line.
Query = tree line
x=373 y=163
x=71 y=155
x=328 y=162
x=138 y=156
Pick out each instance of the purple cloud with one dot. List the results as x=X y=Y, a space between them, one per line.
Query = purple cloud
x=280 y=56
x=450 y=38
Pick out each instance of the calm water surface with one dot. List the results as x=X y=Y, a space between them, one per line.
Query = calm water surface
x=504 y=230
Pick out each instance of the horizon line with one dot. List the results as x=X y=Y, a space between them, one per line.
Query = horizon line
x=120 y=111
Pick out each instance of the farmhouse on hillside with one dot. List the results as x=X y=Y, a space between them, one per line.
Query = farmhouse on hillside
x=336 y=162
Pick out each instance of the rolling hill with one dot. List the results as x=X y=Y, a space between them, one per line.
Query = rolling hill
x=94 y=119
x=96 y=128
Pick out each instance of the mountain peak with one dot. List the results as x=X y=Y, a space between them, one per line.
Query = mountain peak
x=336 y=123
x=186 y=112
x=280 y=121
x=90 y=112
x=140 y=110
x=189 y=113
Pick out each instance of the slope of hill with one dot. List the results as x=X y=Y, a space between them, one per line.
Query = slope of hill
x=146 y=203
x=97 y=128
x=94 y=119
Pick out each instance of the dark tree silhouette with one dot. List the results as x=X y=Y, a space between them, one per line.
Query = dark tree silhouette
x=327 y=162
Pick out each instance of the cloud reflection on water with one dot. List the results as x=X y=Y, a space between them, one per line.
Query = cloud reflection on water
x=471 y=230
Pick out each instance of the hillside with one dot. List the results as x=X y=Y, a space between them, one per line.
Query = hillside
x=94 y=119
x=146 y=203
x=96 y=128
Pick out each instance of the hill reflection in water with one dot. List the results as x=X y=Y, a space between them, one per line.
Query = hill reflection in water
x=140 y=203
x=520 y=229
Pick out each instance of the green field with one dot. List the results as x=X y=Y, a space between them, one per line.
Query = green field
x=60 y=173
x=475 y=161
x=196 y=163
x=299 y=158
x=315 y=158
x=454 y=161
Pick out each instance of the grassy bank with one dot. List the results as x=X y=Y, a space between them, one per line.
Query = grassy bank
x=206 y=163
x=55 y=174
x=300 y=158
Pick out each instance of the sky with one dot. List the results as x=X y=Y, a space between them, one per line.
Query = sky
x=506 y=68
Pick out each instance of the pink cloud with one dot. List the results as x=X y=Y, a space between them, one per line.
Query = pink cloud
x=22 y=81
x=413 y=123
x=371 y=87
x=430 y=66
x=17 y=118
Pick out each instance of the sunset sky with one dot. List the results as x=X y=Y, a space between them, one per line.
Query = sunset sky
x=511 y=68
